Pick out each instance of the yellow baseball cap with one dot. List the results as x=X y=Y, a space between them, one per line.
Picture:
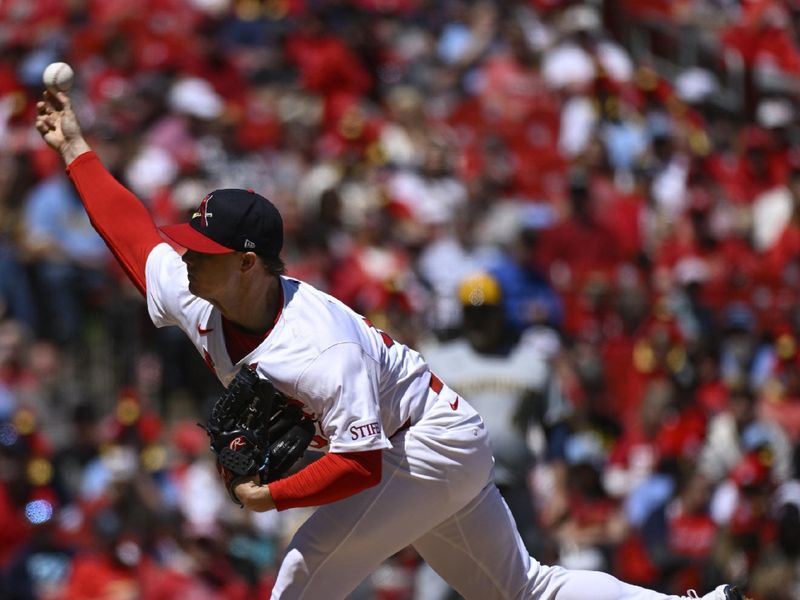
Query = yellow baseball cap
x=479 y=289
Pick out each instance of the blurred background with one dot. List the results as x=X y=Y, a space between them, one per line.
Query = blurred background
x=594 y=205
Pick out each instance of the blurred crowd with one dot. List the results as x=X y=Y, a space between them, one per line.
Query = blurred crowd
x=639 y=237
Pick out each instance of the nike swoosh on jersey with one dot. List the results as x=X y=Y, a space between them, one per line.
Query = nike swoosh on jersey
x=202 y=331
x=454 y=404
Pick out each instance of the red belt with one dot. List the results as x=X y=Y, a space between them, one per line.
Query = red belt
x=437 y=386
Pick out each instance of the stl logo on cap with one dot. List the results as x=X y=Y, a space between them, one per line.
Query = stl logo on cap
x=202 y=211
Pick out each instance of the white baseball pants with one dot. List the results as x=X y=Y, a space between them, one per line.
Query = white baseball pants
x=437 y=495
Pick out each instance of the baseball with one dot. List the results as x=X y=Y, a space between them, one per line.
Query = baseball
x=58 y=77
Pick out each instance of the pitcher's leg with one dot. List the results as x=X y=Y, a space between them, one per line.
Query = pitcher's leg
x=479 y=552
x=557 y=583
x=342 y=543
x=336 y=548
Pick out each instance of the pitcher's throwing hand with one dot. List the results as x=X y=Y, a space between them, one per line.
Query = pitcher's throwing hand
x=59 y=126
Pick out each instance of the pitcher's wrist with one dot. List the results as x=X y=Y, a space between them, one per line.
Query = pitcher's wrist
x=73 y=149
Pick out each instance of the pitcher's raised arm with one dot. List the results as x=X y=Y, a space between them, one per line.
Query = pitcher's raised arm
x=117 y=215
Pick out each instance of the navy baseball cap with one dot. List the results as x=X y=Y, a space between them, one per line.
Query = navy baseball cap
x=231 y=220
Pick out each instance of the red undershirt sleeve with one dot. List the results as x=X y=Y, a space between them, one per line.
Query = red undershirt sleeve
x=118 y=216
x=332 y=477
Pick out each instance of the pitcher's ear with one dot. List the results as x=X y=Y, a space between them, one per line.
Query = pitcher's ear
x=248 y=260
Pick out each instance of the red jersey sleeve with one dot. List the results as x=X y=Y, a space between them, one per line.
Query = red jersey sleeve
x=118 y=216
x=332 y=477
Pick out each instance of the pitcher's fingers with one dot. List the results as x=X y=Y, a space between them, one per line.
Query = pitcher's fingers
x=66 y=103
x=43 y=108
x=53 y=100
x=50 y=121
x=41 y=126
x=50 y=125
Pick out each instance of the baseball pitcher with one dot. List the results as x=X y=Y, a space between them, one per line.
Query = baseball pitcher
x=407 y=460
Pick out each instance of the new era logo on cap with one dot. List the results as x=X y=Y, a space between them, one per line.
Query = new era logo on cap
x=231 y=220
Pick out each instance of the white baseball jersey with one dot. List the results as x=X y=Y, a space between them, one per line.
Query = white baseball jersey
x=356 y=382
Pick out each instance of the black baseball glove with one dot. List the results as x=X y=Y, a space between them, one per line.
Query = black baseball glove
x=255 y=432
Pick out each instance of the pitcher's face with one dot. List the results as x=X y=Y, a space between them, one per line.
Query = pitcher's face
x=211 y=275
